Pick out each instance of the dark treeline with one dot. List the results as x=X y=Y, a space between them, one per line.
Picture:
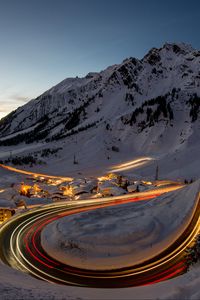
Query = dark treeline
x=160 y=109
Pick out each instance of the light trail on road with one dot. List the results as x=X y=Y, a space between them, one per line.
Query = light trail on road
x=12 y=169
x=20 y=241
x=131 y=164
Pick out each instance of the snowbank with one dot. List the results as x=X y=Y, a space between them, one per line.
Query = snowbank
x=37 y=201
x=123 y=235
x=17 y=285
x=183 y=287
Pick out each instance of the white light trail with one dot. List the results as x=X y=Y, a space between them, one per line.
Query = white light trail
x=131 y=164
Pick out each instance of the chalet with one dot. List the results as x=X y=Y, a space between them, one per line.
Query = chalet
x=5 y=214
x=6 y=210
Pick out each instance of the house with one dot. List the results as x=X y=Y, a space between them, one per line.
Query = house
x=5 y=214
x=58 y=196
x=7 y=209
x=109 y=188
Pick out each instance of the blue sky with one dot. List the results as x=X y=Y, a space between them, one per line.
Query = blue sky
x=44 y=41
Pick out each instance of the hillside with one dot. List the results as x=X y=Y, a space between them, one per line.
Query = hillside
x=148 y=107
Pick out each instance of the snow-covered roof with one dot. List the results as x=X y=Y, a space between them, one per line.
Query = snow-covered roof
x=7 y=204
x=37 y=201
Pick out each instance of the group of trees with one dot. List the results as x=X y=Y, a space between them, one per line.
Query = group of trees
x=186 y=181
x=41 y=131
x=62 y=134
x=160 y=108
x=154 y=109
x=28 y=137
x=22 y=160
x=72 y=120
x=193 y=253
x=108 y=126
x=82 y=128
x=47 y=151
x=115 y=148
x=32 y=158
x=194 y=103
x=129 y=98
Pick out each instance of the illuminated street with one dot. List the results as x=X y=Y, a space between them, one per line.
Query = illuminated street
x=21 y=247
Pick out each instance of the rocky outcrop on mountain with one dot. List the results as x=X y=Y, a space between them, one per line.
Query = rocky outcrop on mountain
x=139 y=93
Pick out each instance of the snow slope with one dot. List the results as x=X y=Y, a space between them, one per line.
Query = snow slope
x=17 y=285
x=88 y=116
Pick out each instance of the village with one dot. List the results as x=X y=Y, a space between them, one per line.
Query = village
x=35 y=191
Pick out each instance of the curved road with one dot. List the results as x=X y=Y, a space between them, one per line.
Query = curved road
x=20 y=247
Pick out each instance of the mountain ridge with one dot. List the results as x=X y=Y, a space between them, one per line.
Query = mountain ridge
x=62 y=98
x=148 y=106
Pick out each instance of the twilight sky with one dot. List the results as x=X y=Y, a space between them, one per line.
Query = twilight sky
x=44 y=41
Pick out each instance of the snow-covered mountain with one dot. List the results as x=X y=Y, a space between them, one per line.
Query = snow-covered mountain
x=148 y=106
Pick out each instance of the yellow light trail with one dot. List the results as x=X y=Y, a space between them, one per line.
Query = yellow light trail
x=192 y=226
x=35 y=174
x=131 y=164
x=165 y=260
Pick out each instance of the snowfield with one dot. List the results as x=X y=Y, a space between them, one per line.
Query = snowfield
x=122 y=235
x=17 y=285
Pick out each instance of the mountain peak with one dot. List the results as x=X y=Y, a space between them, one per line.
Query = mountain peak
x=181 y=47
x=85 y=102
x=141 y=107
x=155 y=55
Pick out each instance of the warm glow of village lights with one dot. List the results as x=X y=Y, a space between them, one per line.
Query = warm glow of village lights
x=26 y=190
x=67 y=191
x=103 y=178
x=147 y=182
